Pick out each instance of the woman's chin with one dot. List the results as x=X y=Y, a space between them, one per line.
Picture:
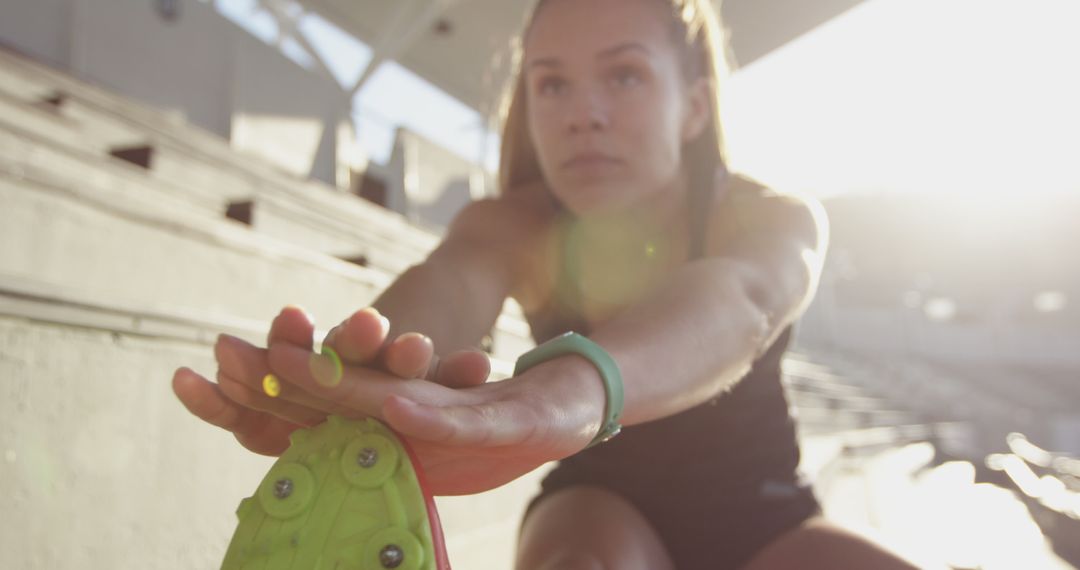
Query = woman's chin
x=594 y=198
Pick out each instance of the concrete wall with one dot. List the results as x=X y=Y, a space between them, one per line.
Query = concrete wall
x=187 y=66
x=42 y=29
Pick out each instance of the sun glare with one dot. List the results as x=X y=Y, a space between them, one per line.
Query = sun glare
x=917 y=95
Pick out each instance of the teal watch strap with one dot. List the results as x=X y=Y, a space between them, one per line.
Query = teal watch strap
x=573 y=343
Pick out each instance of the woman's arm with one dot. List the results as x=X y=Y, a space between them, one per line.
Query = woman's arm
x=453 y=297
x=677 y=348
x=700 y=332
x=457 y=293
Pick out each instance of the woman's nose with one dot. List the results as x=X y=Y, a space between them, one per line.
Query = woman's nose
x=587 y=112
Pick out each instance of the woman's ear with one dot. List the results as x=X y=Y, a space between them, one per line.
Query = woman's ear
x=698 y=109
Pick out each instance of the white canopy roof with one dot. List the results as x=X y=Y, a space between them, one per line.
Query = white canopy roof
x=461 y=46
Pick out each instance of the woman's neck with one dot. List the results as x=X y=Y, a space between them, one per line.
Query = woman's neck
x=619 y=257
x=658 y=223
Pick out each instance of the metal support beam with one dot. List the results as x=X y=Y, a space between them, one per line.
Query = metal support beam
x=401 y=34
x=288 y=27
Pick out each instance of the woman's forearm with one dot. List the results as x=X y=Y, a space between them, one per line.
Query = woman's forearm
x=689 y=340
x=441 y=299
x=456 y=295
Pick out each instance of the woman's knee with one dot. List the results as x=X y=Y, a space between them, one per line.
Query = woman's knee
x=572 y=560
x=588 y=528
x=818 y=543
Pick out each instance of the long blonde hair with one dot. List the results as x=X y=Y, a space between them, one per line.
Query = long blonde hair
x=702 y=44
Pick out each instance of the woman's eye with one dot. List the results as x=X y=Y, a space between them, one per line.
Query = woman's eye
x=551 y=86
x=626 y=77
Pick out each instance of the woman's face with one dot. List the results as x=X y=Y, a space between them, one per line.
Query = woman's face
x=608 y=106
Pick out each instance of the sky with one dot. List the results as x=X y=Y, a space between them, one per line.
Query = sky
x=957 y=96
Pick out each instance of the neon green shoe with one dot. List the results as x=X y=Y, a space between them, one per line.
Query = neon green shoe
x=346 y=495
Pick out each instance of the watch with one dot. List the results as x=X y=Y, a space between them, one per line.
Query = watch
x=574 y=343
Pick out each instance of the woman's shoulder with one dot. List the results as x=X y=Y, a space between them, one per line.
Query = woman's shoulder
x=748 y=197
x=511 y=217
x=515 y=231
x=750 y=210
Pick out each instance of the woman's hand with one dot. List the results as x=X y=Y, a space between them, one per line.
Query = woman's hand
x=467 y=439
x=260 y=423
x=238 y=402
x=362 y=340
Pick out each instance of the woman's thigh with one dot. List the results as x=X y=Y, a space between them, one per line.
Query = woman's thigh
x=817 y=543
x=589 y=528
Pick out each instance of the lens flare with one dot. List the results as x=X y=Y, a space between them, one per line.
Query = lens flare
x=326 y=368
x=614 y=261
x=271 y=386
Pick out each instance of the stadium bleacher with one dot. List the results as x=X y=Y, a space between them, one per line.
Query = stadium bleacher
x=119 y=263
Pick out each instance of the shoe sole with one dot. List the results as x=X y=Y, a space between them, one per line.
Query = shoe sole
x=347 y=494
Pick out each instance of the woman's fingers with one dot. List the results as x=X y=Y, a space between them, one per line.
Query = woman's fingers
x=247 y=365
x=359 y=339
x=293 y=325
x=241 y=360
x=412 y=355
x=362 y=339
x=409 y=355
x=205 y=400
x=268 y=435
x=462 y=369
x=356 y=388
x=257 y=431
x=244 y=396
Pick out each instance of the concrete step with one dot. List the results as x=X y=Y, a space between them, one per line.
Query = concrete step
x=305 y=212
x=34 y=155
x=143 y=253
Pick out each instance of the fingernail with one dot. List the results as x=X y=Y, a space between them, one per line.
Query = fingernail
x=326 y=368
x=385 y=322
x=423 y=338
x=223 y=351
x=307 y=315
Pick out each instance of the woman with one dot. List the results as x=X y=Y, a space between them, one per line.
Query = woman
x=618 y=221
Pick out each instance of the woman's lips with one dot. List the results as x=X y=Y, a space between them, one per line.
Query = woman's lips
x=590 y=161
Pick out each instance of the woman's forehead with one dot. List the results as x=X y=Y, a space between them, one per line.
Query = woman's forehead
x=567 y=29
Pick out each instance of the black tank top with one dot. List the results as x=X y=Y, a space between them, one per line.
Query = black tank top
x=736 y=440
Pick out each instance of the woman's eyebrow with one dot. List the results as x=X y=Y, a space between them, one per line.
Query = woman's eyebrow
x=622 y=48
x=543 y=62
x=607 y=53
